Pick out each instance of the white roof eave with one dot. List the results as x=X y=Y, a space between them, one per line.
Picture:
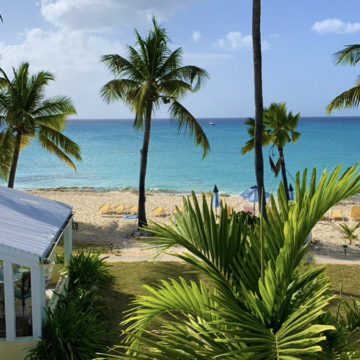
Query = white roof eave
x=30 y=225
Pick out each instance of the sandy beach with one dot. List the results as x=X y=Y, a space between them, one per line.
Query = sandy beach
x=98 y=229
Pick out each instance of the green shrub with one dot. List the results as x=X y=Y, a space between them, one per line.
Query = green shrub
x=86 y=271
x=73 y=331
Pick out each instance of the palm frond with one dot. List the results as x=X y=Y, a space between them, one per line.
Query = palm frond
x=265 y=303
x=348 y=99
x=187 y=122
x=61 y=140
x=349 y=55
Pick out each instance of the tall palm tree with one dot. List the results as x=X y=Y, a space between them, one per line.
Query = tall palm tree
x=349 y=98
x=25 y=114
x=262 y=301
x=257 y=58
x=153 y=75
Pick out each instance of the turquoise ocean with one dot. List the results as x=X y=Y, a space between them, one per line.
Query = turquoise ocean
x=111 y=156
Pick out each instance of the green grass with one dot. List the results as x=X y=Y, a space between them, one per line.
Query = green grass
x=129 y=279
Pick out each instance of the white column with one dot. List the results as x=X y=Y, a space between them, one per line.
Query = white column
x=38 y=299
x=68 y=243
x=10 y=316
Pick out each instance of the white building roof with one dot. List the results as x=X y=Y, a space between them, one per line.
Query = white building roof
x=29 y=225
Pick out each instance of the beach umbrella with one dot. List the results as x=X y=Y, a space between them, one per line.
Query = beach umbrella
x=216 y=198
x=252 y=195
x=291 y=193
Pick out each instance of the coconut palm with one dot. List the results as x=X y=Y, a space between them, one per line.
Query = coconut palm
x=25 y=114
x=153 y=75
x=281 y=126
x=259 y=128
x=349 y=98
x=262 y=301
x=279 y=129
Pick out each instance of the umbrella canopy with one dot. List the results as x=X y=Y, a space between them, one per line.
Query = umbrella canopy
x=216 y=198
x=251 y=194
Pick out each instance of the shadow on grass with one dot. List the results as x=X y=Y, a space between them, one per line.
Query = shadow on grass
x=106 y=234
x=127 y=285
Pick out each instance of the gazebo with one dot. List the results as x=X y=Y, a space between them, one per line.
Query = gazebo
x=30 y=229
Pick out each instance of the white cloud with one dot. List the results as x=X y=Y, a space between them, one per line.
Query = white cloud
x=196 y=36
x=72 y=56
x=99 y=15
x=335 y=26
x=236 y=40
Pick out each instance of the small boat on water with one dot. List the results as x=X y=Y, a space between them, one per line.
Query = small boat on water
x=211 y=123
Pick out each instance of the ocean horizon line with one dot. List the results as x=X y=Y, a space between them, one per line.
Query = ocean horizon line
x=308 y=117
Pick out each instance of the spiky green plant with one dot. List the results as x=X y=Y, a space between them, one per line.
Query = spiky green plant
x=87 y=270
x=151 y=76
x=74 y=330
x=264 y=303
x=348 y=232
x=25 y=115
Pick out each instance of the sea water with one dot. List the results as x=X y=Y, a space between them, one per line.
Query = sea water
x=111 y=156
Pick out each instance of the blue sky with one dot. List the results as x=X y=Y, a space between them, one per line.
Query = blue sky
x=67 y=37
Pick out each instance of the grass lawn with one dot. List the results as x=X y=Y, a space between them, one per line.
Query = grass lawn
x=130 y=277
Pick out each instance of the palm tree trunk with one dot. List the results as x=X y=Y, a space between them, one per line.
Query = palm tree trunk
x=142 y=222
x=259 y=162
x=14 y=161
x=283 y=172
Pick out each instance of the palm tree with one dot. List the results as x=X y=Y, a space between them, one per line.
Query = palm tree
x=279 y=129
x=281 y=126
x=348 y=232
x=349 y=98
x=257 y=58
x=25 y=114
x=153 y=75
x=261 y=302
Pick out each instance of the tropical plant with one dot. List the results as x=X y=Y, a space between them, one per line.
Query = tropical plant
x=348 y=232
x=74 y=330
x=264 y=302
x=349 y=98
x=281 y=125
x=26 y=114
x=343 y=342
x=150 y=76
x=279 y=130
x=259 y=126
x=87 y=270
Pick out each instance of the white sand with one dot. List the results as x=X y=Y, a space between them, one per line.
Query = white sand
x=95 y=228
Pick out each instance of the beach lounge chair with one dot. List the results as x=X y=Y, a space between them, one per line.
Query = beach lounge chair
x=337 y=215
x=160 y=211
x=106 y=209
x=355 y=213
x=120 y=209
x=133 y=210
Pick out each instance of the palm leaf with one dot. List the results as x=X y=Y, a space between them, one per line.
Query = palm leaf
x=348 y=99
x=187 y=121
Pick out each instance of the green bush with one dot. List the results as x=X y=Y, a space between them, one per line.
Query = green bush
x=86 y=271
x=73 y=331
